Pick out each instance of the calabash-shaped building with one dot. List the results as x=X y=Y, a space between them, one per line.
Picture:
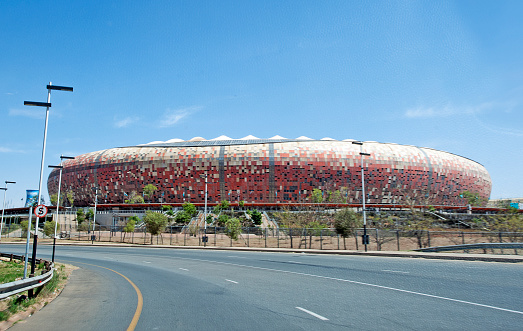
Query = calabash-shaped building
x=275 y=170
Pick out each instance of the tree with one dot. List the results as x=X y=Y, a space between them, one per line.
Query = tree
x=134 y=197
x=89 y=215
x=182 y=217
x=148 y=190
x=256 y=216
x=233 y=228
x=54 y=199
x=49 y=228
x=129 y=226
x=190 y=209
x=241 y=204
x=222 y=220
x=168 y=210
x=70 y=197
x=473 y=198
x=224 y=205
x=346 y=221
x=317 y=196
x=80 y=216
x=23 y=224
x=155 y=223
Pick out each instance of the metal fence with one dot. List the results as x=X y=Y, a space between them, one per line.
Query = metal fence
x=298 y=238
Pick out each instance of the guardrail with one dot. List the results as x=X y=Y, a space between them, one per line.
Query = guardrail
x=12 y=288
x=472 y=246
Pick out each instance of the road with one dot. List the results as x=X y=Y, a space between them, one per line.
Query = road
x=224 y=290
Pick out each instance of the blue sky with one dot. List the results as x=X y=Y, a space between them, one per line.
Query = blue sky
x=441 y=74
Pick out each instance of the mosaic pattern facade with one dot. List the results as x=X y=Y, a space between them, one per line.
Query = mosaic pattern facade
x=279 y=171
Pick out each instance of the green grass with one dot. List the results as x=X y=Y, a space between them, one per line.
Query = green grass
x=10 y=271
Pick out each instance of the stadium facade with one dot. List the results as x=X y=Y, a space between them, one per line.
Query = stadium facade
x=275 y=170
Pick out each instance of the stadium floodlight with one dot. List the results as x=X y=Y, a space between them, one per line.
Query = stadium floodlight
x=365 y=236
x=47 y=104
x=3 y=206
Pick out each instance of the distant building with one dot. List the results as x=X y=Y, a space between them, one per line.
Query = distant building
x=503 y=203
x=275 y=170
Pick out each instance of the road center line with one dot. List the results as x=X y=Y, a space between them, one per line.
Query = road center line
x=360 y=283
x=232 y=281
x=313 y=314
x=400 y=272
x=183 y=269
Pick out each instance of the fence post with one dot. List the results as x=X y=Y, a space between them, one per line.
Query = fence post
x=398 y=239
x=463 y=237
x=144 y=236
x=171 y=238
x=248 y=232
x=428 y=238
x=378 y=240
x=215 y=236
x=265 y=237
x=321 y=239
x=278 y=233
x=290 y=234
x=338 y=235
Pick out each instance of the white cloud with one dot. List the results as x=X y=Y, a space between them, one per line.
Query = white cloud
x=450 y=110
x=31 y=113
x=126 y=122
x=171 y=117
x=9 y=150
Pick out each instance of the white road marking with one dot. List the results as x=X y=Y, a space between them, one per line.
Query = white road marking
x=183 y=269
x=360 y=283
x=232 y=281
x=295 y=262
x=400 y=272
x=313 y=314
x=146 y=262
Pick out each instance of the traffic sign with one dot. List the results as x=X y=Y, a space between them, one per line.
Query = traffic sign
x=40 y=211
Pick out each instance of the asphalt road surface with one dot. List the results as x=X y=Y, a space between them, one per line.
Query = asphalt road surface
x=224 y=290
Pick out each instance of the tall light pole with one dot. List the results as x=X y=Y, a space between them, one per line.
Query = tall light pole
x=3 y=206
x=47 y=105
x=94 y=215
x=58 y=197
x=205 y=215
x=365 y=237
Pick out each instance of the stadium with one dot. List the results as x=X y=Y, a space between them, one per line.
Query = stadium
x=273 y=171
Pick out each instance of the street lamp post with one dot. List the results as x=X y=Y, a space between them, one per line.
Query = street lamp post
x=58 y=197
x=47 y=105
x=3 y=206
x=365 y=235
x=94 y=215
x=205 y=238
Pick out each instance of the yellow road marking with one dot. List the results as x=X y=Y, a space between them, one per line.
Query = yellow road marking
x=139 y=306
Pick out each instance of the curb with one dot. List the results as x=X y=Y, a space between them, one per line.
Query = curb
x=405 y=254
